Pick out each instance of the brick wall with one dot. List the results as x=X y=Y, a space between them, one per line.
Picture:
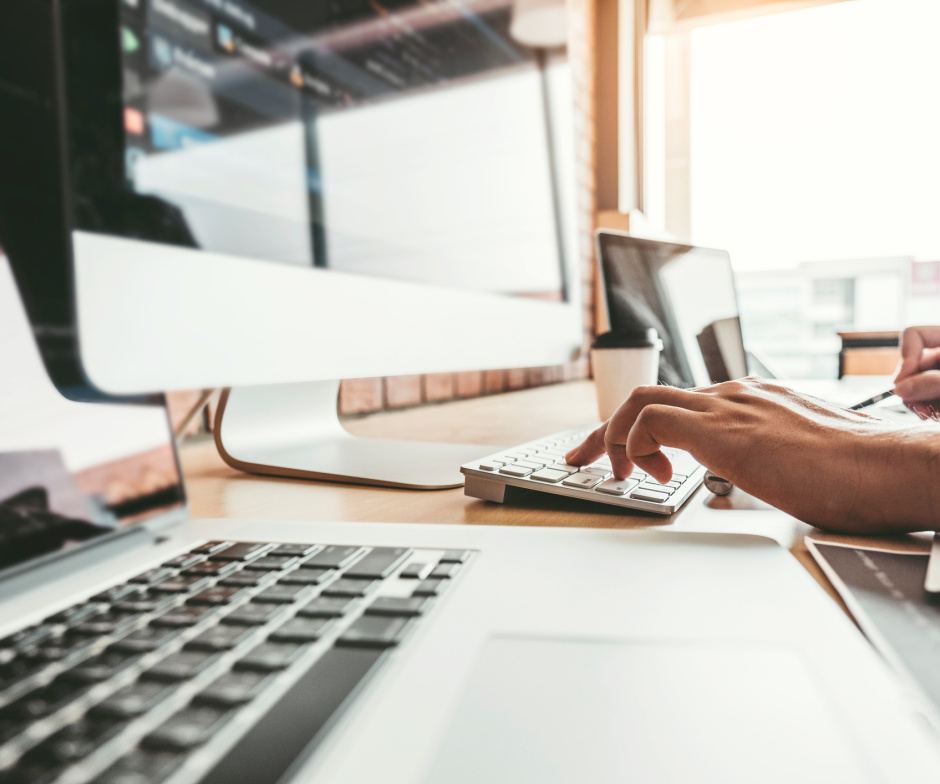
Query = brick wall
x=369 y=395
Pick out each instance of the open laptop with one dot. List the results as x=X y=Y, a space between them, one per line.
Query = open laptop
x=137 y=645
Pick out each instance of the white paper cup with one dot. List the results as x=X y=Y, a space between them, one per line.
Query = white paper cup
x=618 y=371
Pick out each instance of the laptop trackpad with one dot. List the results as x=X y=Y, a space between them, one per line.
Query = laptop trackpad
x=561 y=710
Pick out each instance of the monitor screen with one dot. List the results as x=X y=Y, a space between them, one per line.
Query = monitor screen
x=687 y=294
x=71 y=471
x=405 y=140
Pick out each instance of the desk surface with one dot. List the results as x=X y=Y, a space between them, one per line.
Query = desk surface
x=215 y=490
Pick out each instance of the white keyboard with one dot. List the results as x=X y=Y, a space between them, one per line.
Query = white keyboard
x=540 y=466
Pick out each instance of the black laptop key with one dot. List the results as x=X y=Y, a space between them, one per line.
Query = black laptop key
x=445 y=571
x=185 y=615
x=184 y=561
x=212 y=569
x=247 y=579
x=152 y=576
x=210 y=547
x=375 y=631
x=379 y=563
x=147 y=639
x=405 y=606
x=272 y=563
x=455 y=556
x=233 y=688
x=327 y=607
x=79 y=739
x=134 y=699
x=187 y=729
x=306 y=576
x=278 y=738
x=351 y=587
x=332 y=556
x=301 y=630
x=182 y=584
x=281 y=594
x=109 y=623
x=241 y=551
x=430 y=587
x=294 y=549
x=27 y=638
x=254 y=614
x=219 y=638
x=180 y=666
x=44 y=701
x=141 y=766
x=416 y=571
x=101 y=667
x=219 y=594
x=146 y=604
x=270 y=656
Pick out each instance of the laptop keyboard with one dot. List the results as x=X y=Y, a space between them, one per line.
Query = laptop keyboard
x=540 y=466
x=221 y=665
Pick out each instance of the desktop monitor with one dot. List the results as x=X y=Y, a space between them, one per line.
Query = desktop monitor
x=686 y=294
x=276 y=192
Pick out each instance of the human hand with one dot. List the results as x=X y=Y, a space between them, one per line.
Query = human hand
x=838 y=469
x=917 y=381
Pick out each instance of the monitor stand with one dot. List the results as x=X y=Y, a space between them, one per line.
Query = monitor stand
x=293 y=430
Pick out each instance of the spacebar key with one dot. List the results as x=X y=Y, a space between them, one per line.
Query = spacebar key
x=272 y=745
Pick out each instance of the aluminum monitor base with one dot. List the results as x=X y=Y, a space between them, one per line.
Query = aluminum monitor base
x=293 y=430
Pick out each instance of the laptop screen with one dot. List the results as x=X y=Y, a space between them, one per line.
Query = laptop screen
x=71 y=472
x=687 y=294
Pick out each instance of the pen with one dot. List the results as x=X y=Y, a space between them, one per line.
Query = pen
x=872 y=400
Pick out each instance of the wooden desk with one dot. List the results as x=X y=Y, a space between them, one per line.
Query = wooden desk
x=215 y=490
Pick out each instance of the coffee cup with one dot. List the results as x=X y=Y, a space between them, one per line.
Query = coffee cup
x=621 y=362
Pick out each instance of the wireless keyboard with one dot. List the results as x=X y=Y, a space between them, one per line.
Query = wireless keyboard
x=540 y=466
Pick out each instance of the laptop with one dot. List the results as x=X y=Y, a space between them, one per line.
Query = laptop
x=138 y=645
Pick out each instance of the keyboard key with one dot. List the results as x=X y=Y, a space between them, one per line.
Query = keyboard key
x=281 y=594
x=416 y=571
x=456 y=556
x=41 y=702
x=327 y=607
x=183 y=561
x=254 y=614
x=332 y=557
x=430 y=588
x=186 y=615
x=140 y=767
x=218 y=594
x=302 y=630
x=404 y=606
x=598 y=470
x=542 y=461
x=375 y=631
x=241 y=551
x=101 y=667
x=583 y=480
x=247 y=579
x=616 y=486
x=109 y=623
x=182 y=584
x=210 y=547
x=233 y=688
x=147 y=639
x=649 y=495
x=271 y=656
x=272 y=563
x=515 y=470
x=180 y=666
x=145 y=604
x=78 y=739
x=294 y=549
x=445 y=571
x=212 y=569
x=350 y=587
x=187 y=729
x=568 y=469
x=491 y=465
x=27 y=638
x=528 y=464
x=655 y=487
x=133 y=700
x=379 y=563
x=152 y=576
x=220 y=638
x=549 y=475
x=114 y=594
x=306 y=577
